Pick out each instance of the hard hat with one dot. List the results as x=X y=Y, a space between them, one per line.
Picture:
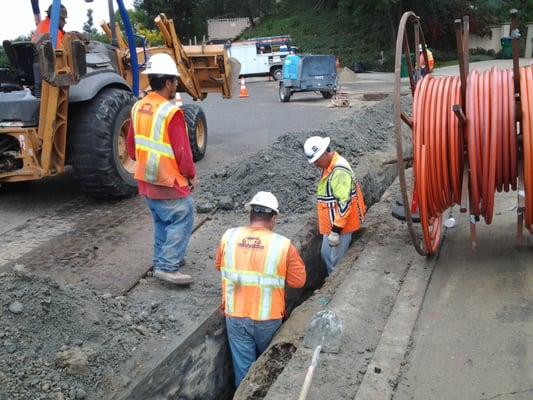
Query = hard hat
x=62 y=11
x=161 y=64
x=264 y=199
x=315 y=146
x=420 y=47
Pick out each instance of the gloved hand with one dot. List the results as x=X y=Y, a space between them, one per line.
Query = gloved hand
x=334 y=239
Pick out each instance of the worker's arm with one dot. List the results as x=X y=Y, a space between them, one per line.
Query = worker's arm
x=341 y=187
x=177 y=133
x=130 y=142
x=296 y=274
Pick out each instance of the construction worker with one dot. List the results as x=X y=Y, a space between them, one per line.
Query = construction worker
x=431 y=61
x=42 y=32
x=340 y=203
x=165 y=171
x=255 y=264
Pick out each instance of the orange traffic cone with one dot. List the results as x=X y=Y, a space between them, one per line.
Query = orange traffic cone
x=244 y=91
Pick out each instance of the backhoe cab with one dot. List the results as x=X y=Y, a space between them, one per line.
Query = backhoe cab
x=71 y=104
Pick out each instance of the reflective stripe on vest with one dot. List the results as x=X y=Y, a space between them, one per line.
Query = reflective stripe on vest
x=266 y=280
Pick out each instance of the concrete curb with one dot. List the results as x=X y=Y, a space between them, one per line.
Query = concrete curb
x=384 y=369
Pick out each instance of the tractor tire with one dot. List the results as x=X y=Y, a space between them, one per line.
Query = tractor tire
x=197 y=129
x=277 y=73
x=327 y=95
x=97 y=144
x=284 y=93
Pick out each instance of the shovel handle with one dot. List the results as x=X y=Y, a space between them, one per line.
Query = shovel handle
x=309 y=375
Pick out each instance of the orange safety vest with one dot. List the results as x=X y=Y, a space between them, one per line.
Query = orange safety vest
x=253 y=270
x=348 y=213
x=44 y=29
x=431 y=60
x=156 y=163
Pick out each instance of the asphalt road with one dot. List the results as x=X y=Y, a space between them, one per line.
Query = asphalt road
x=237 y=128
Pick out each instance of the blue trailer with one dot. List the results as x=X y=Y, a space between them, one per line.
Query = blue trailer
x=308 y=73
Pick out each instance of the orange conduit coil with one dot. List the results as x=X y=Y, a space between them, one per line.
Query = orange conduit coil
x=526 y=94
x=491 y=138
x=438 y=153
x=492 y=145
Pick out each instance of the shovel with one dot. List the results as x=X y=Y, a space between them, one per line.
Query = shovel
x=323 y=334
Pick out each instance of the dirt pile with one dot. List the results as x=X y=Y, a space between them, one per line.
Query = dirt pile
x=66 y=342
x=283 y=169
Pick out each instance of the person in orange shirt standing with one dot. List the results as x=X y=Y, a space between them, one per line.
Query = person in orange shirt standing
x=42 y=32
x=255 y=264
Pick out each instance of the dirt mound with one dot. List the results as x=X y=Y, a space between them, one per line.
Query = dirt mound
x=346 y=75
x=66 y=342
x=283 y=169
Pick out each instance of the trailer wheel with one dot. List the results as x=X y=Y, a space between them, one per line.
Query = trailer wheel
x=97 y=144
x=277 y=73
x=327 y=95
x=197 y=129
x=284 y=93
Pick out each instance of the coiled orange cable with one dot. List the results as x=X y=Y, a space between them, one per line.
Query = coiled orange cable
x=492 y=145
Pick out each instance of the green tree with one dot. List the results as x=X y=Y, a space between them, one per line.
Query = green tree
x=88 y=26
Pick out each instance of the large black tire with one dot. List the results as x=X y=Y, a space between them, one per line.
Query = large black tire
x=197 y=129
x=327 y=95
x=96 y=143
x=284 y=93
x=277 y=73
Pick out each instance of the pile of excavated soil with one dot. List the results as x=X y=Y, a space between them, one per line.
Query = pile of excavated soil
x=346 y=75
x=283 y=169
x=66 y=342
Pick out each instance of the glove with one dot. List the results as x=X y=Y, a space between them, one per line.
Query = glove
x=334 y=239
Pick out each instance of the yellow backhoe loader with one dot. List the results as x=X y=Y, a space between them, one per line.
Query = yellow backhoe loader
x=70 y=104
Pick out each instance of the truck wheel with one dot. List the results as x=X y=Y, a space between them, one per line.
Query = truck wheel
x=277 y=73
x=197 y=129
x=97 y=144
x=327 y=95
x=284 y=93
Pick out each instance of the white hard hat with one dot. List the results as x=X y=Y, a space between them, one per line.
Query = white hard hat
x=264 y=199
x=420 y=48
x=314 y=147
x=161 y=64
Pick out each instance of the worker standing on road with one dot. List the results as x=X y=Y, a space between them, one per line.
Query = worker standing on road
x=255 y=263
x=340 y=203
x=165 y=172
x=422 y=61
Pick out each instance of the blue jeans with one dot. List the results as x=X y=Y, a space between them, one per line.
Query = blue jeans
x=173 y=221
x=248 y=339
x=332 y=255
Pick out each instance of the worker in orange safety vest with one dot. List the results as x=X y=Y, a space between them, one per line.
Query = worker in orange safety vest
x=431 y=61
x=340 y=204
x=255 y=264
x=165 y=172
x=42 y=32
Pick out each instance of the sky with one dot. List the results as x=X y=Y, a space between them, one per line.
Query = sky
x=16 y=16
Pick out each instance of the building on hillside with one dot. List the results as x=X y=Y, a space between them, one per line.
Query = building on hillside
x=222 y=29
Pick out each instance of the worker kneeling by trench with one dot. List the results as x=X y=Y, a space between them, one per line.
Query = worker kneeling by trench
x=200 y=366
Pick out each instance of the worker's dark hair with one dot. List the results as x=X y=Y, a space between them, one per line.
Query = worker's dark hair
x=157 y=82
x=258 y=213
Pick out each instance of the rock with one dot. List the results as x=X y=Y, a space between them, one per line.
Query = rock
x=16 y=307
x=107 y=296
x=21 y=271
x=74 y=360
x=77 y=342
x=142 y=330
x=80 y=394
x=205 y=207
x=226 y=203
x=10 y=346
x=154 y=305
x=60 y=396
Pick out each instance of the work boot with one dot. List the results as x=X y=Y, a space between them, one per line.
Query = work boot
x=174 y=277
